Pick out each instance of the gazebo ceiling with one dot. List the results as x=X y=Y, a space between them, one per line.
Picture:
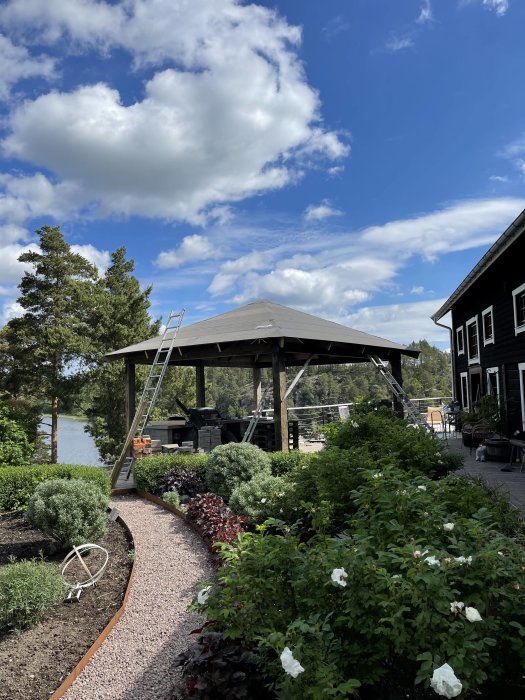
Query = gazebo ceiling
x=245 y=337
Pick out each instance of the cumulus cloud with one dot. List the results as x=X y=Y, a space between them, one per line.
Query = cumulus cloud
x=10 y=309
x=16 y=63
x=500 y=7
x=11 y=270
x=232 y=110
x=192 y=248
x=321 y=211
x=24 y=197
x=99 y=258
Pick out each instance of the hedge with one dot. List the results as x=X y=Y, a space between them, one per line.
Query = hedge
x=17 y=484
x=149 y=470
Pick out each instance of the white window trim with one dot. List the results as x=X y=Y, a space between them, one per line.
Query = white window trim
x=487 y=341
x=521 y=371
x=458 y=331
x=470 y=322
x=464 y=399
x=493 y=370
x=515 y=292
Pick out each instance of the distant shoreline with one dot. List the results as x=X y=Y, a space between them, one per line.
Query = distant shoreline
x=80 y=419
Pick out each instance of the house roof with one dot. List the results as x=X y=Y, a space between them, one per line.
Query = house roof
x=511 y=234
x=251 y=325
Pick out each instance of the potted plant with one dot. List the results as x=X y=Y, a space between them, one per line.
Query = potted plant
x=485 y=422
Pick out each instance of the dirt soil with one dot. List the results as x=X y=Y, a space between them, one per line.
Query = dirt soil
x=34 y=662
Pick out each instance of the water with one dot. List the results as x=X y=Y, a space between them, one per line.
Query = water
x=74 y=445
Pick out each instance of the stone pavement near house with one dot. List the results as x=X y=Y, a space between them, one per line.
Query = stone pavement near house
x=512 y=484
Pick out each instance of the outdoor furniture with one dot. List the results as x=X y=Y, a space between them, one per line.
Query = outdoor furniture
x=517 y=451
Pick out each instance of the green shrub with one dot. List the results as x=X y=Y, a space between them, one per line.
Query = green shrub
x=149 y=470
x=233 y=464
x=17 y=484
x=172 y=498
x=15 y=449
x=260 y=497
x=285 y=462
x=72 y=511
x=27 y=590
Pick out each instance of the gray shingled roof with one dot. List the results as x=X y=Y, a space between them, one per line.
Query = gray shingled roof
x=264 y=320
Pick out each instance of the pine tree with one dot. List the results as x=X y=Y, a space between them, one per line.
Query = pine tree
x=48 y=348
x=122 y=318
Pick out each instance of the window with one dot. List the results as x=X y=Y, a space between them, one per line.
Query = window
x=521 y=371
x=493 y=381
x=464 y=390
x=460 y=341
x=518 y=301
x=472 y=340
x=487 y=323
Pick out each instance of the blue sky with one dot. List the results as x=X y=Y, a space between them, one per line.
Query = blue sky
x=352 y=159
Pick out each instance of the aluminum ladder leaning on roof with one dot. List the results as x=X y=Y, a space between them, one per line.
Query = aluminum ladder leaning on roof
x=149 y=395
x=250 y=430
x=398 y=391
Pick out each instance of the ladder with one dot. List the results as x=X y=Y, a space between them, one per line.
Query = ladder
x=398 y=391
x=250 y=430
x=149 y=396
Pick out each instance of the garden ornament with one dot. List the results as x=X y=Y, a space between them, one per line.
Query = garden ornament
x=77 y=587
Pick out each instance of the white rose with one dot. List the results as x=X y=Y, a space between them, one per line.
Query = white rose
x=339 y=576
x=422 y=487
x=448 y=527
x=432 y=561
x=472 y=615
x=202 y=596
x=290 y=665
x=456 y=607
x=444 y=682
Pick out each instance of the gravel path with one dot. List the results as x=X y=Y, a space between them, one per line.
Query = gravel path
x=134 y=662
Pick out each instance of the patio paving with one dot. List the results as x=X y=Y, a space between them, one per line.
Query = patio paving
x=512 y=483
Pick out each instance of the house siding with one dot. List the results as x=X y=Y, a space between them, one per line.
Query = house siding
x=494 y=288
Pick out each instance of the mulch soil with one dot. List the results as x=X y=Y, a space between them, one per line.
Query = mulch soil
x=34 y=662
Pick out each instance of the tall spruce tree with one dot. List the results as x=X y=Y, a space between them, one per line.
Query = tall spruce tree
x=122 y=319
x=48 y=348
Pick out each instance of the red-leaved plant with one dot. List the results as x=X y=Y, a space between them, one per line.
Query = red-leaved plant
x=214 y=518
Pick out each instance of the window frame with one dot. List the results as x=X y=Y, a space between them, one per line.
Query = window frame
x=488 y=311
x=464 y=390
x=472 y=360
x=493 y=371
x=521 y=372
x=460 y=332
x=517 y=293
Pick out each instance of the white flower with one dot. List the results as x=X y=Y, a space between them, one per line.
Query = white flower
x=281 y=494
x=263 y=500
x=396 y=575
x=377 y=475
x=432 y=561
x=448 y=527
x=472 y=615
x=339 y=576
x=456 y=607
x=290 y=665
x=422 y=487
x=202 y=596
x=444 y=682
x=354 y=424
x=463 y=560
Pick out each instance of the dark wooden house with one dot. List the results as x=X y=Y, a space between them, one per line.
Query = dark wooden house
x=488 y=328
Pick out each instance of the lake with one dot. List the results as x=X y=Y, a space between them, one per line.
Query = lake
x=74 y=445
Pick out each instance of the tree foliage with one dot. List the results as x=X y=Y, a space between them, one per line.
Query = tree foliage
x=15 y=448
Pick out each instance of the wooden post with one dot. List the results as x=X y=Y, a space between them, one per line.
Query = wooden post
x=200 y=387
x=395 y=364
x=280 y=414
x=257 y=386
x=130 y=393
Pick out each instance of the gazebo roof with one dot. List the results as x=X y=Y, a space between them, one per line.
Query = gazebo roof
x=244 y=337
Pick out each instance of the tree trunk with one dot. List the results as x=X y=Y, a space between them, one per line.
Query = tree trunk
x=54 y=430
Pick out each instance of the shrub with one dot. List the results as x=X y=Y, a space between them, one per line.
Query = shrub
x=187 y=482
x=172 y=498
x=216 y=522
x=71 y=511
x=149 y=470
x=232 y=464
x=285 y=462
x=17 y=484
x=27 y=590
x=15 y=449
x=260 y=497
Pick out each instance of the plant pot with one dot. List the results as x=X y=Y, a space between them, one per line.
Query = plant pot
x=498 y=449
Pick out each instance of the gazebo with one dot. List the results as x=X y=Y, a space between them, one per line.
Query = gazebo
x=257 y=336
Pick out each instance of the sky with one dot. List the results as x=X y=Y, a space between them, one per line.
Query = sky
x=353 y=159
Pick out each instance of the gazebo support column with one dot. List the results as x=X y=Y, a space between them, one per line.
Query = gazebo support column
x=200 y=387
x=130 y=393
x=395 y=364
x=280 y=413
x=257 y=386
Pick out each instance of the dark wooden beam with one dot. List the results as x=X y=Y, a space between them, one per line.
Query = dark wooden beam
x=200 y=388
x=280 y=413
x=257 y=386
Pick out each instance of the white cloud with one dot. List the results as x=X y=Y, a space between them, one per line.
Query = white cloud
x=16 y=63
x=11 y=233
x=399 y=43
x=99 y=258
x=232 y=270
x=192 y=248
x=425 y=14
x=321 y=211
x=500 y=7
x=400 y=322
x=417 y=290
x=233 y=112
x=498 y=178
x=11 y=270
x=24 y=197
x=10 y=309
